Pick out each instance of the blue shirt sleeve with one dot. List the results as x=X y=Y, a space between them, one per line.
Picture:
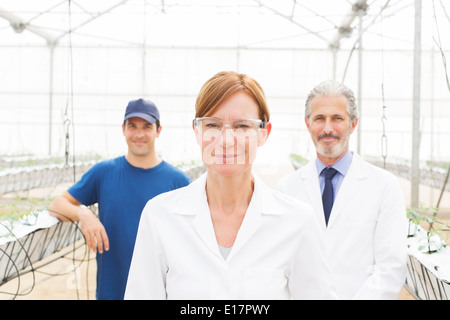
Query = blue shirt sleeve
x=85 y=190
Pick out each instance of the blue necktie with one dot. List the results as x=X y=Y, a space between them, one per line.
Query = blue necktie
x=328 y=193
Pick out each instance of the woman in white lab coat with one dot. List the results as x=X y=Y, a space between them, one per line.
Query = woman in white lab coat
x=227 y=235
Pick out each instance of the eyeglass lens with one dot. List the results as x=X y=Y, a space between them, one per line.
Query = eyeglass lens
x=214 y=127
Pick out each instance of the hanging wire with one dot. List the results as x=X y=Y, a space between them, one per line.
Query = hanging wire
x=384 y=141
x=68 y=119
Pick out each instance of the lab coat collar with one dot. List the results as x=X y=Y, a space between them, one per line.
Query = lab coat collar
x=356 y=172
x=309 y=177
x=194 y=203
x=194 y=198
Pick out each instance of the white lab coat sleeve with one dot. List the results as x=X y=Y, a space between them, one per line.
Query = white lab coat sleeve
x=389 y=270
x=147 y=275
x=310 y=276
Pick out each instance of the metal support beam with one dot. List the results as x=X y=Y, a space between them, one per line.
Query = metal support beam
x=94 y=17
x=415 y=170
x=345 y=29
x=19 y=26
x=50 y=98
x=318 y=35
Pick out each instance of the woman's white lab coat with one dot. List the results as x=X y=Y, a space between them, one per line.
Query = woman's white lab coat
x=278 y=252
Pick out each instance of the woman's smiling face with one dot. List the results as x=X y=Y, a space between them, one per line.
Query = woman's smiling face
x=226 y=152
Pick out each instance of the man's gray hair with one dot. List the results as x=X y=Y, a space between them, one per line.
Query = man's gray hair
x=331 y=88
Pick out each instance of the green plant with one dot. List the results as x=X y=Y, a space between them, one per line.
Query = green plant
x=436 y=230
x=297 y=160
x=22 y=210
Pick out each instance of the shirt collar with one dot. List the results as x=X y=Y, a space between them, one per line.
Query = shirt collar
x=342 y=165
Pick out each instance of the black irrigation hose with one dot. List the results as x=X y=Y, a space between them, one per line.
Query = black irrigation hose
x=34 y=270
x=18 y=278
x=26 y=255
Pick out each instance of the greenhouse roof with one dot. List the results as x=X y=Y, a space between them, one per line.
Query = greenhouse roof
x=82 y=60
x=214 y=23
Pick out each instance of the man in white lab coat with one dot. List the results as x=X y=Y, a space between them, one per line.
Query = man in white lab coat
x=365 y=229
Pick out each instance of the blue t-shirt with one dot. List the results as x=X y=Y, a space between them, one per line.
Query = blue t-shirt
x=121 y=191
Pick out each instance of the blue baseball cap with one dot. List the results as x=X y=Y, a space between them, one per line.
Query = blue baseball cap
x=141 y=108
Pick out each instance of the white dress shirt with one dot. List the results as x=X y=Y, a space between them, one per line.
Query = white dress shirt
x=278 y=252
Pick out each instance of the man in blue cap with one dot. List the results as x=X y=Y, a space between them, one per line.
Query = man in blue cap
x=121 y=187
